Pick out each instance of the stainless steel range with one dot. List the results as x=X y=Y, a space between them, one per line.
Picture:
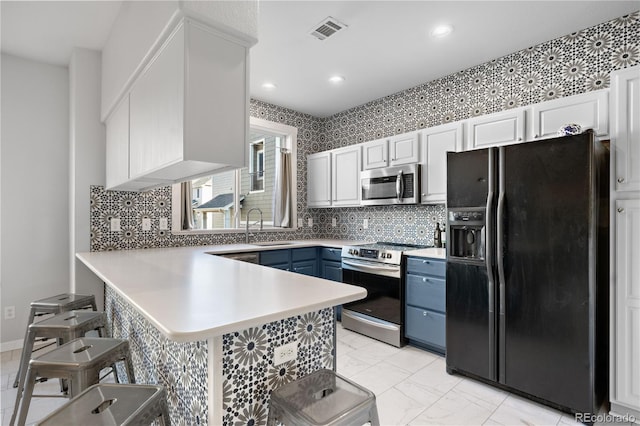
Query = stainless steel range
x=378 y=268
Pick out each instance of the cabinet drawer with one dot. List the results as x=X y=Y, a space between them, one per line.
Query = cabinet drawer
x=273 y=257
x=426 y=266
x=307 y=253
x=425 y=326
x=330 y=253
x=426 y=292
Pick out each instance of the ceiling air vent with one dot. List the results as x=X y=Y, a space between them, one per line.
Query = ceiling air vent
x=327 y=28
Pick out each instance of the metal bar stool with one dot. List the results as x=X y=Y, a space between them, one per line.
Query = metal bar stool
x=111 y=405
x=79 y=361
x=54 y=305
x=322 y=398
x=64 y=327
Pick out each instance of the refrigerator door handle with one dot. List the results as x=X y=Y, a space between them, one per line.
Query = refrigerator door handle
x=500 y=230
x=491 y=279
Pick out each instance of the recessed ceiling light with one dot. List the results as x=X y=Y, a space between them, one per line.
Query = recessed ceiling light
x=441 y=31
x=268 y=86
x=336 y=79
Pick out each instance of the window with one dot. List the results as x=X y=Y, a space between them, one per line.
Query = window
x=221 y=201
x=256 y=168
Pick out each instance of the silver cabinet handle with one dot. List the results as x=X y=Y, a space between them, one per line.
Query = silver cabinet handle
x=424 y=280
x=425 y=261
x=425 y=313
x=620 y=180
x=620 y=210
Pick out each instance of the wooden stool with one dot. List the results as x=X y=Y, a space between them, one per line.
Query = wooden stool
x=111 y=405
x=322 y=398
x=54 y=305
x=79 y=361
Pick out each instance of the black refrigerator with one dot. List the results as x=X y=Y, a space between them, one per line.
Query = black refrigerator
x=528 y=269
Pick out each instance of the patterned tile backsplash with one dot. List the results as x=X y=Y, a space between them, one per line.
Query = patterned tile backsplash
x=576 y=63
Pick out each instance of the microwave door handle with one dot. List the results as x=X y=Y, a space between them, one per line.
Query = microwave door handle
x=400 y=186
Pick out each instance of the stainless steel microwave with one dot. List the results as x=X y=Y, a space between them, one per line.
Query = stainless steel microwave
x=391 y=185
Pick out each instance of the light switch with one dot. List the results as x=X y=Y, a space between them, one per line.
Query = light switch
x=365 y=223
x=164 y=224
x=146 y=224
x=310 y=222
x=300 y=222
x=334 y=222
x=115 y=224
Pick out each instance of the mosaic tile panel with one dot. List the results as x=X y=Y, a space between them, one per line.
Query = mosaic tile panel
x=576 y=63
x=248 y=374
x=180 y=367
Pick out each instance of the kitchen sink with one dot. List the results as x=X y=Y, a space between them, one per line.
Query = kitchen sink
x=276 y=243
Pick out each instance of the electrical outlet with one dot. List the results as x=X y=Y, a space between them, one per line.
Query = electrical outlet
x=9 y=312
x=300 y=222
x=146 y=224
x=334 y=222
x=115 y=224
x=164 y=224
x=310 y=222
x=284 y=353
x=365 y=223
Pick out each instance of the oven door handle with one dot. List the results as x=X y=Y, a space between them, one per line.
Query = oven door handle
x=356 y=264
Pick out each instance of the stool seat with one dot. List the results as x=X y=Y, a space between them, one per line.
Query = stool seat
x=111 y=405
x=69 y=322
x=63 y=302
x=79 y=361
x=322 y=398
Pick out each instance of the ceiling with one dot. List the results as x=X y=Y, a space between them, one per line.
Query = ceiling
x=385 y=48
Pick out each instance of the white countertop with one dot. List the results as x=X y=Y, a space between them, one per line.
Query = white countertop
x=433 y=252
x=191 y=295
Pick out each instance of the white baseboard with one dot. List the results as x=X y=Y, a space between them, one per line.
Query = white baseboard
x=10 y=346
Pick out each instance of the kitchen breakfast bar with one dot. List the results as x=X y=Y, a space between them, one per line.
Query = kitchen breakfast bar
x=206 y=327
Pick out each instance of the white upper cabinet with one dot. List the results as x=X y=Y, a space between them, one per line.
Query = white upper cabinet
x=117 y=150
x=345 y=176
x=375 y=154
x=496 y=129
x=188 y=109
x=625 y=134
x=436 y=142
x=589 y=110
x=404 y=149
x=319 y=179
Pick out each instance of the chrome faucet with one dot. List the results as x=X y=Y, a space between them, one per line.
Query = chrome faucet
x=246 y=238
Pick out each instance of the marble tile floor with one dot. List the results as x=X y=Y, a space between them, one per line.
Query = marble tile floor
x=411 y=387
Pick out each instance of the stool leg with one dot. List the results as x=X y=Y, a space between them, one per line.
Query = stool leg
x=24 y=359
x=164 y=415
x=32 y=314
x=31 y=377
x=373 y=416
x=129 y=363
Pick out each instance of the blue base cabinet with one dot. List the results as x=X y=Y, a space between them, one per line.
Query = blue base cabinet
x=301 y=260
x=425 y=302
x=331 y=268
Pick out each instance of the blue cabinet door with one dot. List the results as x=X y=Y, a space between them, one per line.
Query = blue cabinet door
x=307 y=267
x=331 y=270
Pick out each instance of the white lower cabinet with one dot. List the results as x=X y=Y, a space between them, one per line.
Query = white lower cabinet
x=626 y=374
x=436 y=142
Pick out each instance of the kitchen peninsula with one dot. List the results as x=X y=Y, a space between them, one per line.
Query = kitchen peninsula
x=206 y=327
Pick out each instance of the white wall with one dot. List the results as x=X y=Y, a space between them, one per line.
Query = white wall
x=87 y=161
x=34 y=192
